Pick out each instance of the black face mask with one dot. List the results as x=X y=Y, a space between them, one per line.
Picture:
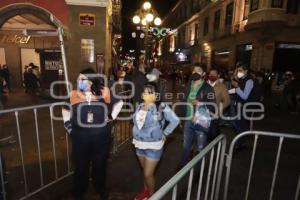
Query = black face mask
x=196 y=77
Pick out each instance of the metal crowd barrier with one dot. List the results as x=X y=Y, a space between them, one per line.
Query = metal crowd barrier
x=38 y=133
x=257 y=134
x=21 y=135
x=212 y=181
x=121 y=130
x=212 y=190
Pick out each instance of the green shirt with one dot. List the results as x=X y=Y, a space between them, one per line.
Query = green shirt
x=192 y=96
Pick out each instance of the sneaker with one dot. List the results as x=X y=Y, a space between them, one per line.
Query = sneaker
x=143 y=195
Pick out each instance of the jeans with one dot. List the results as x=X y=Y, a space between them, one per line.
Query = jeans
x=189 y=134
x=151 y=154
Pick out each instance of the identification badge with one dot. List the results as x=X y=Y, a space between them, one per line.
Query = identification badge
x=90 y=117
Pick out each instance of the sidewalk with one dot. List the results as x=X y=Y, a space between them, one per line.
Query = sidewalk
x=124 y=175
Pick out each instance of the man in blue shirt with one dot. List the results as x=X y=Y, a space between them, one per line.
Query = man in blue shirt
x=245 y=93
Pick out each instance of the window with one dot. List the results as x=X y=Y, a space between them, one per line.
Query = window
x=217 y=20
x=293 y=7
x=196 y=32
x=172 y=43
x=246 y=9
x=254 y=5
x=206 y=26
x=277 y=3
x=88 y=50
x=191 y=37
x=229 y=14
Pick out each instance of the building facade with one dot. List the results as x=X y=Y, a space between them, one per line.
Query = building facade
x=28 y=35
x=261 y=33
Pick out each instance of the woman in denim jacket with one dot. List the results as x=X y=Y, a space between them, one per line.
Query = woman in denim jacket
x=150 y=133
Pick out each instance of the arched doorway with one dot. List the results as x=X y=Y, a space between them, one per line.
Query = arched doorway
x=30 y=34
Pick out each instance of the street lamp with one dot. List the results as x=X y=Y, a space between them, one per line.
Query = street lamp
x=157 y=21
x=144 y=22
x=147 y=5
x=136 y=19
x=147 y=18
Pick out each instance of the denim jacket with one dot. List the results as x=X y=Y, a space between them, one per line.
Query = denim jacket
x=153 y=128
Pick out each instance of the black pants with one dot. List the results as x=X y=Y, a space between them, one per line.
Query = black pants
x=214 y=130
x=242 y=125
x=90 y=149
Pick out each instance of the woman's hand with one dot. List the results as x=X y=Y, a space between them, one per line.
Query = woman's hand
x=164 y=138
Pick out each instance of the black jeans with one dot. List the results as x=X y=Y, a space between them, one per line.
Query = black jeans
x=90 y=149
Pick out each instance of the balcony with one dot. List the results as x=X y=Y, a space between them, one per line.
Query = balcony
x=274 y=17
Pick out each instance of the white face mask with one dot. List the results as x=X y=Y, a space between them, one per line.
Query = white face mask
x=240 y=74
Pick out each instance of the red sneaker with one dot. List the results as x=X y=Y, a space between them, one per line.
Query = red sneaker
x=143 y=195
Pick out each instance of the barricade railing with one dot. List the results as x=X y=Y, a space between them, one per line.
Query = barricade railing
x=42 y=136
x=121 y=129
x=33 y=133
x=209 y=184
x=258 y=134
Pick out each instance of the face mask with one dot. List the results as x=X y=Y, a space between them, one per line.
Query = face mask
x=149 y=98
x=213 y=78
x=82 y=85
x=196 y=77
x=240 y=74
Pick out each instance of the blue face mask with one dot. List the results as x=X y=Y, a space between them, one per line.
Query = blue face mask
x=82 y=85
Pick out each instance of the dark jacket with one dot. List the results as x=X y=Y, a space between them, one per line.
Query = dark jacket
x=255 y=94
x=139 y=81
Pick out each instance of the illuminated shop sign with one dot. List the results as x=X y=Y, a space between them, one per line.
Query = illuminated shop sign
x=52 y=64
x=87 y=19
x=248 y=47
x=15 y=39
x=222 y=52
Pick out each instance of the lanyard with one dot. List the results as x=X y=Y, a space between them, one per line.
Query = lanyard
x=88 y=96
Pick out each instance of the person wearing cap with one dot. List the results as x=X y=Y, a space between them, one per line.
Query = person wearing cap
x=90 y=129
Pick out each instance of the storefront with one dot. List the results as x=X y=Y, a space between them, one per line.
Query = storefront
x=220 y=59
x=244 y=53
x=28 y=34
x=286 y=57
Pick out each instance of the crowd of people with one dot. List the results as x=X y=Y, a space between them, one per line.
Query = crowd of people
x=31 y=78
x=210 y=99
x=4 y=84
x=31 y=81
x=154 y=119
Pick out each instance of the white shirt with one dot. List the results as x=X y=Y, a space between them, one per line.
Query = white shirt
x=141 y=118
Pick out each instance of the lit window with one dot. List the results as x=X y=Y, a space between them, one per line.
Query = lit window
x=229 y=15
x=277 y=3
x=254 y=5
x=88 y=50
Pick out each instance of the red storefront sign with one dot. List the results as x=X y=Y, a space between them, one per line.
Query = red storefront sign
x=87 y=19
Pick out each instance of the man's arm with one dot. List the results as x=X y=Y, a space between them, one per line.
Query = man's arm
x=248 y=88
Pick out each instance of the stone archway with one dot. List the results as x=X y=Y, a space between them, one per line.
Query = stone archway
x=12 y=10
x=19 y=9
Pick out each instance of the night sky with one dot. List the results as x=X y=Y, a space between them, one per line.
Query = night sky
x=129 y=8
